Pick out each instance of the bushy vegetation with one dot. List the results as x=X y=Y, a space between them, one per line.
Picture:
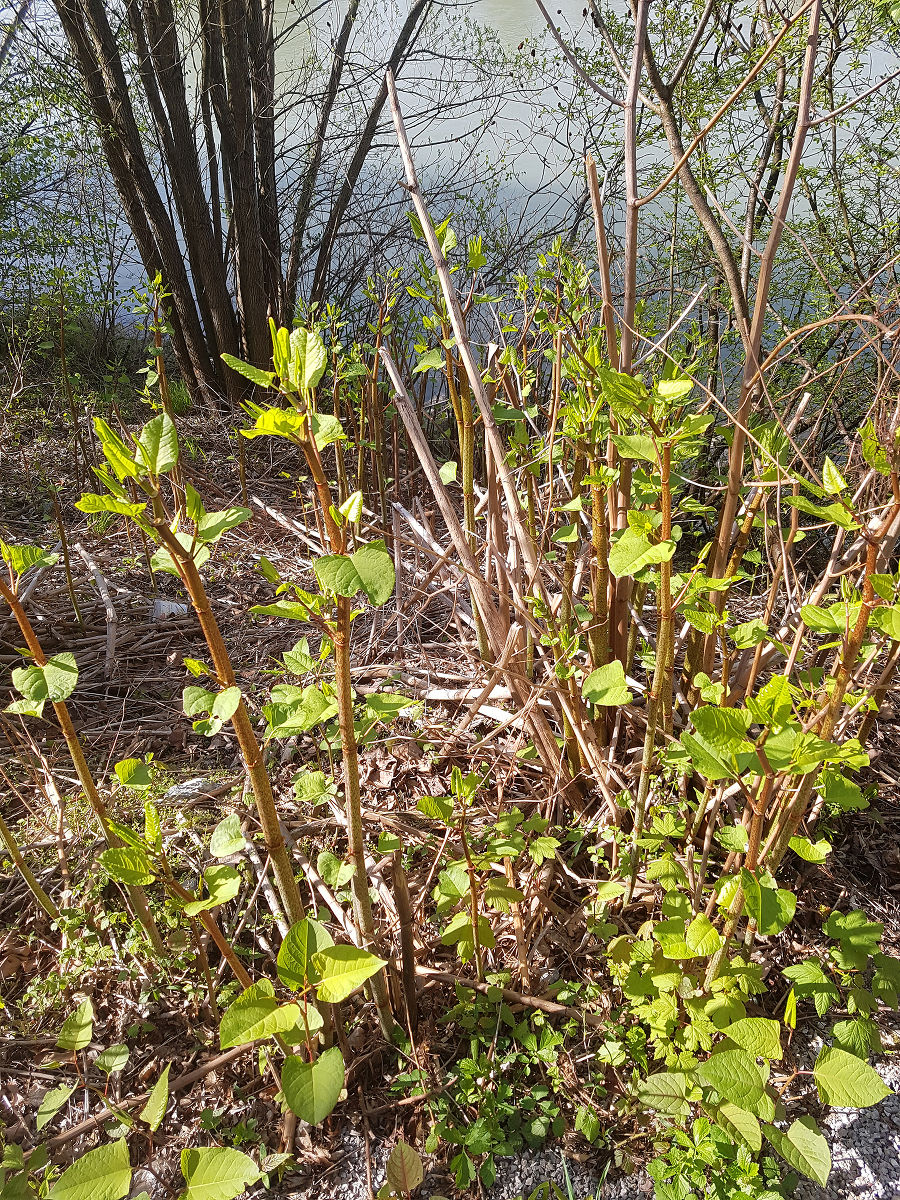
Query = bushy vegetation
x=662 y=522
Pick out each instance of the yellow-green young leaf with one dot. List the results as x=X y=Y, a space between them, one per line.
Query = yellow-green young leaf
x=633 y=551
x=101 y=1174
x=227 y=837
x=803 y=1147
x=216 y=1173
x=845 y=1081
x=740 y=1125
x=226 y=704
x=325 y=430
x=254 y=374
x=342 y=969
x=157 y=1102
x=78 y=1029
x=375 y=568
x=438 y=808
x=112 y=1059
x=313 y=1089
x=223 y=884
x=277 y=422
x=295 y=958
x=50 y=1105
x=758 y=1035
x=448 y=472
x=127 y=864
x=811 y=852
x=157 y=445
x=212 y=525
x=308 y=358
x=256 y=1014
x=607 y=686
x=735 y=1076
x=133 y=773
x=351 y=509
x=404 y=1168
x=832 y=479
x=23 y=558
x=635 y=445
x=116 y=452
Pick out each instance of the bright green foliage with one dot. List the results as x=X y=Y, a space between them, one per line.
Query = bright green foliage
x=255 y=1015
x=341 y=970
x=157 y=1102
x=222 y=884
x=845 y=1081
x=101 y=1174
x=53 y=1100
x=78 y=1029
x=313 y=1089
x=216 y=1173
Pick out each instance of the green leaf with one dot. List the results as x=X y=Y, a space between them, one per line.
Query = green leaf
x=439 y=808
x=635 y=446
x=859 y=1037
x=277 y=422
x=51 y=1103
x=196 y=700
x=101 y=1174
x=448 y=472
x=845 y=1081
x=733 y=838
x=162 y=560
x=295 y=958
x=771 y=908
x=133 y=773
x=313 y=1089
x=351 y=509
x=112 y=1059
x=216 y=1173
x=254 y=374
x=668 y=1092
x=157 y=445
x=607 y=686
x=375 y=568
x=157 y=1102
x=633 y=551
x=749 y=633
x=342 y=969
x=23 y=558
x=833 y=481
x=211 y=526
x=735 y=1076
x=223 y=884
x=404 y=1169
x=128 y=864
x=325 y=430
x=288 y=610
x=116 y=452
x=308 y=358
x=431 y=360
x=724 y=728
x=255 y=1015
x=227 y=837
x=804 y=1148
x=833 y=514
x=858 y=938
x=811 y=852
x=334 y=872
x=386 y=706
x=740 y=1125
x=226 y=704
x=757 y=1035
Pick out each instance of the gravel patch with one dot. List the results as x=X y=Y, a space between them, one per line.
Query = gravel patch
x=865 y=1148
